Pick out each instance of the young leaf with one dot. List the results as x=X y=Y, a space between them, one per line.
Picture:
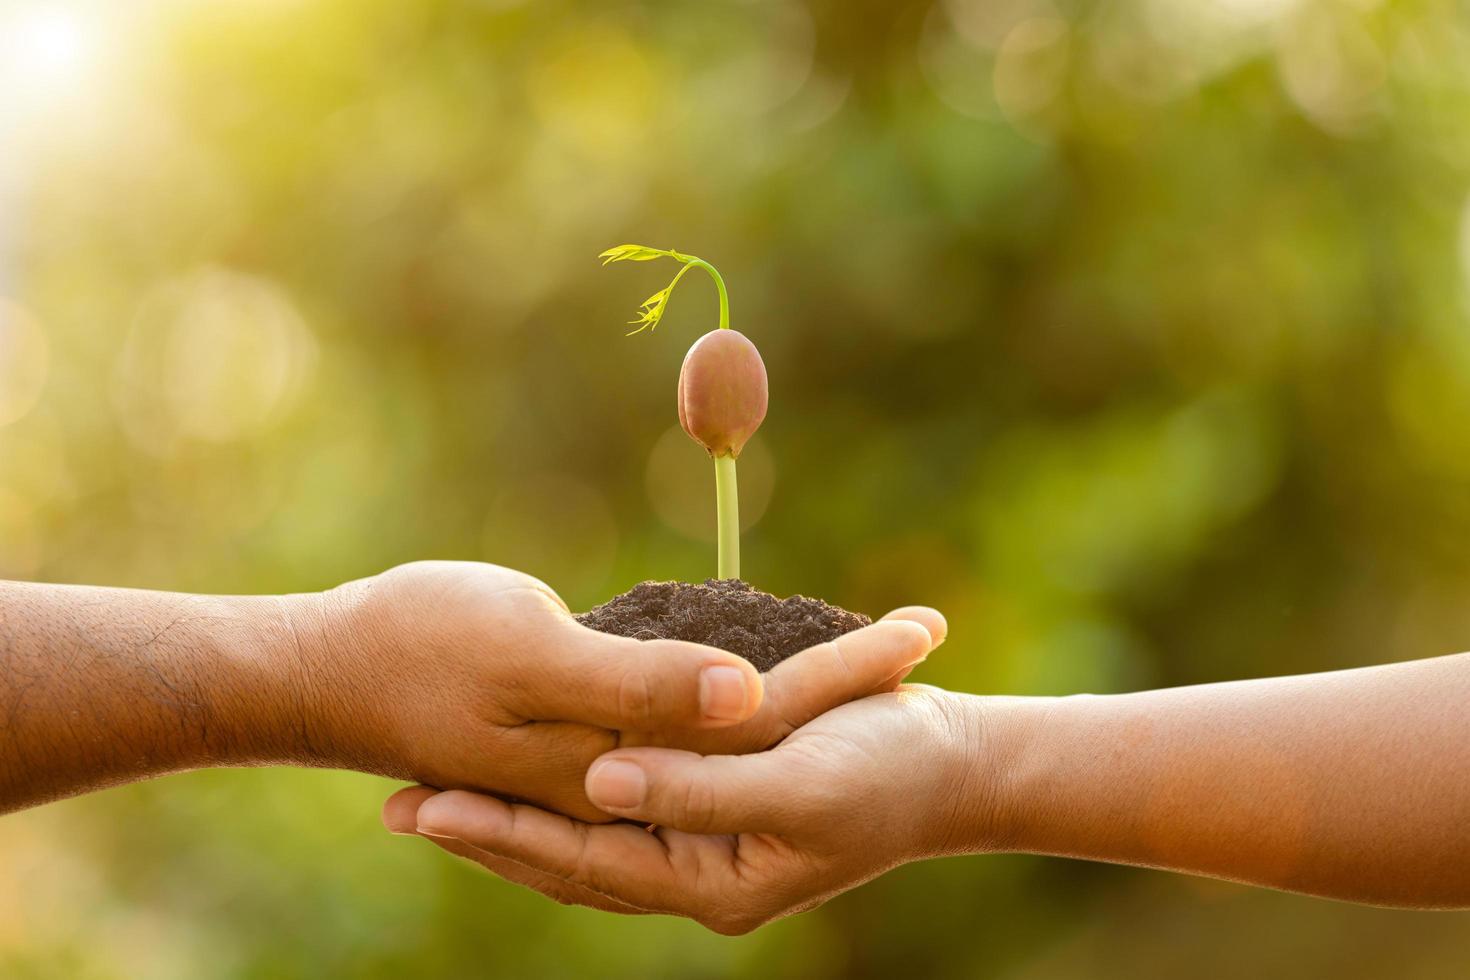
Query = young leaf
x=653 y=308
x=632 y=253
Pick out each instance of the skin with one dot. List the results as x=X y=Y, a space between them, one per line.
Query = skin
x=455 y=674
x=1352 y=785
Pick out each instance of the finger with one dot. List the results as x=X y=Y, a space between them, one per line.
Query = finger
x=710 y=794
x=931 y=619
x=541 y=762
x=401 y=810
x=938 y=628
x=635 y=685
x=562 y=892
x=873 y=659
x=622 y=862
x=890 y=684
x=400 y=816
x=934 y=622
x=544 y=763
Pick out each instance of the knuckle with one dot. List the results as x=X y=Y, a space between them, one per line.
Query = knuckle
x=694 y=806
x=834 y=652
x=635 y=699
x=580 y=869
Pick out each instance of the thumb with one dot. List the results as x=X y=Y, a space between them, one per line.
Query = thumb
x=709 y=794
x=638 y=685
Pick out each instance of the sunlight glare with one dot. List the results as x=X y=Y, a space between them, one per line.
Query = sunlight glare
x=45 y=50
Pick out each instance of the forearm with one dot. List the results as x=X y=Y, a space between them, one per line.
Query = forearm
x=1353 y=785
x=101 y=686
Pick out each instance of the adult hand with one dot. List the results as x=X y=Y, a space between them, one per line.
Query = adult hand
x=458 y=674
x=740 y=840
x=470 y=676
x=1350 y=784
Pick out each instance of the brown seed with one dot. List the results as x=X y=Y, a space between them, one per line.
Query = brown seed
x=722 y=392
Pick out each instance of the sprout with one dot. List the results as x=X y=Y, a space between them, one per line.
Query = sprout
x=722 y=391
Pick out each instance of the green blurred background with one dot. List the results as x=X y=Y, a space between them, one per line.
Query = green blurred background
x=1134 y=335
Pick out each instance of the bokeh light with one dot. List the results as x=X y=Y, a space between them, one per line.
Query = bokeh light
x=529 y=514
x=1135 y=336
x=680 y=483
x=217 y=356
x=47 y=47
x=25 y=355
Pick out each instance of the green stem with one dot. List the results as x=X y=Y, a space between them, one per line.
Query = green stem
x=719 y=284
x=727 y=510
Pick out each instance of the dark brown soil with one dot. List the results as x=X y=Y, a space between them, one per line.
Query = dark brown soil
x=725 y=613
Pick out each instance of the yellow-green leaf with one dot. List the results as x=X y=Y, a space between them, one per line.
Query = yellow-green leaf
x=632 y=253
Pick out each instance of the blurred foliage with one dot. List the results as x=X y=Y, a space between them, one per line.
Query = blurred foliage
x=1134 y=335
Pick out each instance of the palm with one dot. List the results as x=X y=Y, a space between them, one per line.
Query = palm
x=529 y=720
x=763 y=835
x=842 y=758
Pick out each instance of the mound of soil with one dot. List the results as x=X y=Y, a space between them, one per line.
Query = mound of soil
x=726 y=613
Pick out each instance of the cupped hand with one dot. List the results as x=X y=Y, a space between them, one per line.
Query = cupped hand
x=739 y=840
x=469 y=676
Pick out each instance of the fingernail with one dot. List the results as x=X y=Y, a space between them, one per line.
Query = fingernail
x=430 y=832
x=617 y=783
x=722 y=695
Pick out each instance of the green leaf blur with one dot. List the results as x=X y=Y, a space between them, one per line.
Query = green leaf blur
x=1133 y=335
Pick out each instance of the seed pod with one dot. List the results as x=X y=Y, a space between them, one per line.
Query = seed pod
x=722 y=392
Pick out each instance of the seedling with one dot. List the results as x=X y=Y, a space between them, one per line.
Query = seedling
x=722 y=391
x=722 y=401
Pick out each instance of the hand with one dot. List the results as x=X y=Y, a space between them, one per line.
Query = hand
x=470 y=676
x=740 y=840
